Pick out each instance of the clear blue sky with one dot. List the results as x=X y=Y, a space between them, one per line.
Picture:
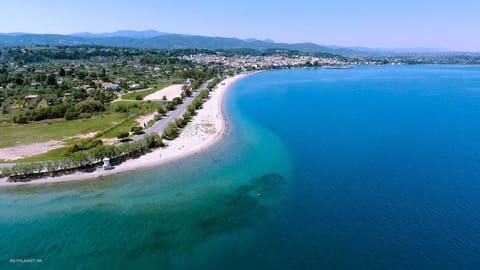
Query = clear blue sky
x=448 y=24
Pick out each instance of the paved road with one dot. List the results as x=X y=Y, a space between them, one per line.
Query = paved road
x=5 y=165
x=180 y=109
x=160 y=125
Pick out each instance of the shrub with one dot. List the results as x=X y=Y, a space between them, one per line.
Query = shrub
x=157 y=117
x=121 y=108
x=6 y=172
x=84 y=115
x=161 y=110
x=82 y=146
x=169 y=106
x=177 y=100
x=123 y=135
x=151 y=123
x=20 y=119
x=71 y=115
x=137 y=129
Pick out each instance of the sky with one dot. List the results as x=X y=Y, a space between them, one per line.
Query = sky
x=442 y=24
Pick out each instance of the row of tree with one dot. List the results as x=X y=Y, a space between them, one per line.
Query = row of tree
x=173 y=129
x=88 y=155
x=82 y=159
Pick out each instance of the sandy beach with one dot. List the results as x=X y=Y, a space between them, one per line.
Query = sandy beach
x=206 y=128
x=169 y=92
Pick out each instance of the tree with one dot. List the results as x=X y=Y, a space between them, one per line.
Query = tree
x=123 y=84
x=187 y=116
x=153 y=140
x=104 y=76
x=170 y=132
x=179 y=122
x=61 y=72
x=71 y=114
x=51 y=80
x=19 y=79
x=89 y=106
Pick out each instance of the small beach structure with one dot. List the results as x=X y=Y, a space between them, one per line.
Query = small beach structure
x=106 y=164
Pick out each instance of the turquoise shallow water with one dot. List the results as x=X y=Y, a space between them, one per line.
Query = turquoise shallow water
x=174 y=216
x=366 y=168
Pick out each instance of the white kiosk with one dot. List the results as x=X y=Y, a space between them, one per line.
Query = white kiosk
x=106 y=164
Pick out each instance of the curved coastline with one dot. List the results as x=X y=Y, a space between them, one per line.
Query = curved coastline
x=205 y=130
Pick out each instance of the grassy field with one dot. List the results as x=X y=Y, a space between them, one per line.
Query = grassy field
x=60 y=129
x=11 y=135
x=124 y=126
x=137 y=108
x=146 y=92
x=110 y=131
x=107 y=125
x=55 y=154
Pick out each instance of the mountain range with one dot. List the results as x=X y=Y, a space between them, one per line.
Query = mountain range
x=151 y=39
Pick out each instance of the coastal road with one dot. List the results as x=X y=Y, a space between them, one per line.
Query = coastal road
x=160 y=125
x=6 y=165
x=180 y=109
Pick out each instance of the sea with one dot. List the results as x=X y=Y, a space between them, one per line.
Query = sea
x=374 y=167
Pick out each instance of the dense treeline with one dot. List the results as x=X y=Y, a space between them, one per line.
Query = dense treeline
x=82 y=159
x=53 y=74
x=68 y=110
x=45 y=54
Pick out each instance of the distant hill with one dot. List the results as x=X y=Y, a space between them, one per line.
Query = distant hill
x=151 y=39
x=121 y=33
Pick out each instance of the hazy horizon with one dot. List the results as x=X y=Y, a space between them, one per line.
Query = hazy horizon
x=369 y=24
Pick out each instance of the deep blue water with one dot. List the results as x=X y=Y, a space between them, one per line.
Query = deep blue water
x=387 y=165
x=365 y=168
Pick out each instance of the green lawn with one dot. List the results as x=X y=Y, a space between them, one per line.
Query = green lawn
x=138 y=108
x=107 y=125
x=124 y=126
x=146 y=92
x=11 y=135
x=54 y=154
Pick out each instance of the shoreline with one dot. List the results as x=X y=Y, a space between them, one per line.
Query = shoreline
x=205 y=130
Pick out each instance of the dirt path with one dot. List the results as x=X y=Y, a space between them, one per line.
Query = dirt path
x=28 y=150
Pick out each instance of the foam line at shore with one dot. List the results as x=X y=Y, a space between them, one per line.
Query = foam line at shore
x=207 y=128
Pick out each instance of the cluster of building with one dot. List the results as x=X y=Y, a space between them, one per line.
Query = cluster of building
x=263 y=62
